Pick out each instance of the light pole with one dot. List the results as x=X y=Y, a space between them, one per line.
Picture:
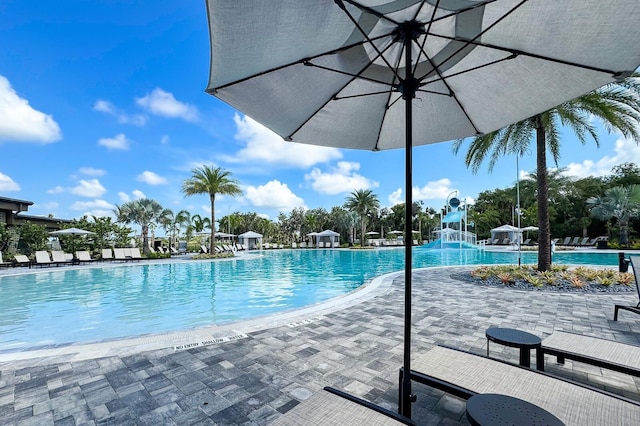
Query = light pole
x=518 y=207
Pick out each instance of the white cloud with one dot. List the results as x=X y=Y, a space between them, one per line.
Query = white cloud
x=8 y=184
x=21 y=122
x=90 y=171
x=124 y=197
x=163 y=103
x=151 y=178
x=164 y=139
x=342 y=179
x=98 y=208
x=108 y=108
x=89 y=188
x=262 y=146
x=438 y=189
x=396 y=197
x=626 y=151
x=137 y=194
x=273 y=195
x=56 y=190
x=120 y=141
x=51 y=206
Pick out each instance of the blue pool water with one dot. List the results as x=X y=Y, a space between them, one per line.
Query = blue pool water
x=67 y=304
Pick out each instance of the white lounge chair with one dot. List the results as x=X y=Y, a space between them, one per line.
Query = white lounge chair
x=107 y=254
x=83 y=256
x=60 y=258
x=43 y=258
x=135 y=254
x=22 y=260
x=3 y=263
x=119 y=254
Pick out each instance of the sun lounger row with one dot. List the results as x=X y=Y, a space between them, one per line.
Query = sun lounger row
x=577 y=241
x=121 y=254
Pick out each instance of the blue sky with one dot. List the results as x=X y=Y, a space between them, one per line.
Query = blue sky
x=103 y=102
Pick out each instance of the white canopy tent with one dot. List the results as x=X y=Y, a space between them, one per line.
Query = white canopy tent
x=506 y=231
x=251 y=239
x=331 y=239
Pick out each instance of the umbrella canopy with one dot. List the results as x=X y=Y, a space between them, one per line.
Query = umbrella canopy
x=347 y=73
x=530 y=228
x=371 y=233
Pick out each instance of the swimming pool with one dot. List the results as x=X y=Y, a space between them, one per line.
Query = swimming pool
x=68 y=304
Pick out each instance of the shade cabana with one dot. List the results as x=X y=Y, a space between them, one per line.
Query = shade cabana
x=505 y=231
x=330 y=238
x=251 y=239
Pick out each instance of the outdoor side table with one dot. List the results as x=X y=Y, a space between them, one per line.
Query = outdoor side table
x=517 y=339
x=494 y=409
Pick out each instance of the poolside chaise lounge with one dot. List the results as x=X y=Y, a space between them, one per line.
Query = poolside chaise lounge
x=333 y=407
x=635 y=264
x=59 y=257
x=21 y=260
x=120 y=254
x=43 y=258
x=3 y=263
x=134 y=253
x=465 y=374
x=83 y=256
x=107 y=254
x=602 y=353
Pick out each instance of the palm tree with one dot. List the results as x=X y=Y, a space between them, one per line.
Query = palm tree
x=143 y=212
x=619 y=202
x=617 y=105
x=363 y=202
x=212 y=181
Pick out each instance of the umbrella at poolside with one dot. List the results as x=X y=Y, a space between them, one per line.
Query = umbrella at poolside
x=379 y=75
x=73 y=232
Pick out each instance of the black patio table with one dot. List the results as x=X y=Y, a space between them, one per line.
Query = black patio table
x=495 y=409
x=517 y=339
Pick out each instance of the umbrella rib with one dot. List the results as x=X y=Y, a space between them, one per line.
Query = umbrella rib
x=365 y=9
x=297 y=62
x=516 y=52
x=366 y=36
x=355 y=76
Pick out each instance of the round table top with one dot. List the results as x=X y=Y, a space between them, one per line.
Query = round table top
x=494 y=409
x=513 y=336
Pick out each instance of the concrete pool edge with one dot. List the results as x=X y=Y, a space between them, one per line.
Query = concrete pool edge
x=203 y=336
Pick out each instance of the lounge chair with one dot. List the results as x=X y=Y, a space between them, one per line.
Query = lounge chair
x=83 y=256
x=635 y=264
x=332 y=407
x=173 y=250
x=60 y=258
x=602 y=353
x=120 y=254
x=107 y=254
x=3 y=263
x=465 y=374
x=43 y=258
x=21 y=260
x=584 y=242
x=134 y=253
x=204 y=250
x=566 y=241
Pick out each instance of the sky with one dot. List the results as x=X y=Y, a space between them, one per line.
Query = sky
x=102 y=102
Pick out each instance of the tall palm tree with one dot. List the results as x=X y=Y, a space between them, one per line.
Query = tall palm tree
x=212 y=181
x=363 y=202
x=143 y=212
x=617 y=105
x=619 y=202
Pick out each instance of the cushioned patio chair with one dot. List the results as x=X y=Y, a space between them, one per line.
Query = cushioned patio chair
x=21 y=260
x=58 y=257
x=602 y=353
x=635 y=264
x=43 y=258
x=107 y=254
x=332 y=407
x=83 y=256
x=134 y=253
x=120 y=254
x=465 y=374
x=3 y=263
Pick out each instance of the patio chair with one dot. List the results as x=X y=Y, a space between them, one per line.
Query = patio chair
x=107 y=254
x=134 y=253
x=120 y=254
x=584 y=242
x=60 y=258
x=465 y=374
x=635 y=264
x=333 y=407
x=174 y=251
x=84 y=256
x=3 y=263
x=602 y=353
x=21 y=260
x=204 y=250
x=566 y=241
x=43 y=258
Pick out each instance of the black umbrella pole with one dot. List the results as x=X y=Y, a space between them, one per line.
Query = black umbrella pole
x=406 y=398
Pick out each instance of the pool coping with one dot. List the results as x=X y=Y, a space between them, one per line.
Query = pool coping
x=202 y=336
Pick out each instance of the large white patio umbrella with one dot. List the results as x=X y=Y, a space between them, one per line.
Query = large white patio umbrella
x=73 y=232
x=384 y=74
